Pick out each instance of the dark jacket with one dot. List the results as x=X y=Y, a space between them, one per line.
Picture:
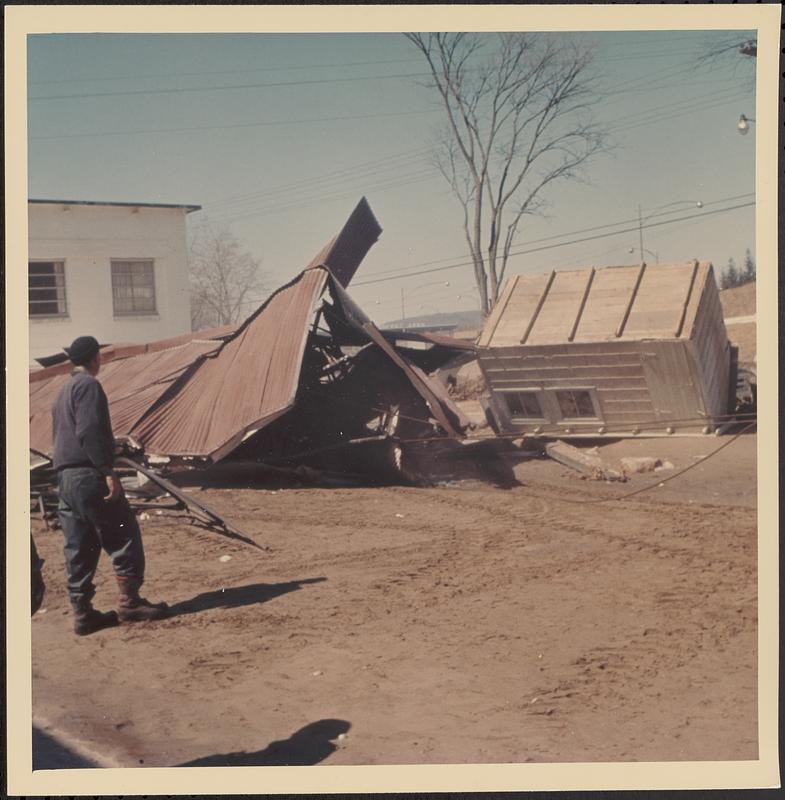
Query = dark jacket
x=81 y=426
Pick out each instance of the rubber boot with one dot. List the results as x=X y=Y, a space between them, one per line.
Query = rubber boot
x=88 y=620
x=132 y=607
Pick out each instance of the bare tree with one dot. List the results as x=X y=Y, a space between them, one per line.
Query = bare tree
x=727 y=48
x=517 y=120
x=226 y=280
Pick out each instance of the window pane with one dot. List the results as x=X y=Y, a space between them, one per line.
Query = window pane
x=575 y=403
x=566 y=404
x=530 y=404
x=44 y=309
x=513 y=404
x=133 y=286
x=584 y=404
x=46 y=288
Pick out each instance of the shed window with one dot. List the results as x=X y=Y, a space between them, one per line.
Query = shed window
x=133 y=287
x=46 y=289
x=575 y=403
x=523 y=404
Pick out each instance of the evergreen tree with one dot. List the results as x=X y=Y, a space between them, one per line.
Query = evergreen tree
x=730 y=275
x=748 y=268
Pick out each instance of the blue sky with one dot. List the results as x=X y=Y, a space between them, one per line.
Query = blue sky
x=279 y=135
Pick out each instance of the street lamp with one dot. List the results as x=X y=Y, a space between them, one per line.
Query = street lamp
x=743 y=125
x=642 y=219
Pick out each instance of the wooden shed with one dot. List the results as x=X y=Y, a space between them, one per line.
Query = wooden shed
x=631 y=350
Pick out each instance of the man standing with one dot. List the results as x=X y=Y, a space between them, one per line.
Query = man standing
x=93 y=510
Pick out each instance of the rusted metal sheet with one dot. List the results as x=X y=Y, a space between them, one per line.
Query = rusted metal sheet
x=200 y=511
x=110 y=352
x=250 y=381
x=132 y=385
x=343 y=254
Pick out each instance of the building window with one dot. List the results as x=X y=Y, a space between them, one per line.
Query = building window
x=575 y=403
x=523 y=404
x=133 y=287
x=46 y=289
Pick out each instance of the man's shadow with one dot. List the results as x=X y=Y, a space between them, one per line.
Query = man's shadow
x=309 y=745
x=236 y=596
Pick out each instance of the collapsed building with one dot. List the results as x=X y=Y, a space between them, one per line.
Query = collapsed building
x=632 y=350
x=307 y=379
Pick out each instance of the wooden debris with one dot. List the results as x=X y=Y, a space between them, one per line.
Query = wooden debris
x=592 y=466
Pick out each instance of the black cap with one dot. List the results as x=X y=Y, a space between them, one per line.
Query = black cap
x=82 y=350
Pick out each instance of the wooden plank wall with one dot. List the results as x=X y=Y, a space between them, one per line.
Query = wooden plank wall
x=560 y=311
x=618 y=371
x=614 y=369
x=658 y=306
x=606 y=303
x=711 y=349
x=496 y=312
x=518 y=309
x=674 y=387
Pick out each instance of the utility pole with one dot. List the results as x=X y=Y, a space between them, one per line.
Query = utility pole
x=403 y=311
x=640 y=230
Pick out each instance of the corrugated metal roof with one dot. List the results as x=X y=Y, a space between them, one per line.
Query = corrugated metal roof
x=125 y=349
x=343 y=254
x=132 y=382
x=250 y=380
x=594 y=305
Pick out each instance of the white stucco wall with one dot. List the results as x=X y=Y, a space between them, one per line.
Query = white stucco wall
x=87 y=238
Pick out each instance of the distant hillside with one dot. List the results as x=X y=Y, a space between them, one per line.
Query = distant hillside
x=461 y=319
x=739 y=301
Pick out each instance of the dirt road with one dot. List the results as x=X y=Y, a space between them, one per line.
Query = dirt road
x=458 y=624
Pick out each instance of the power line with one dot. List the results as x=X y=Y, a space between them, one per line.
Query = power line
x=104 y=78
x=275 y=84
x=676 y=48
x=303 y=121
x=307 y=184
x=650 y=116
x=406 y=180
x=675 y=104
x=633 y=85
x=266 y=123
x=559 y=236
x=683 y=113
x=563 y=244
x=190 y=89
x=652 y=119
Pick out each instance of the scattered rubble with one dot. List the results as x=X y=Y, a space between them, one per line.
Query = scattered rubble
x=634 y=464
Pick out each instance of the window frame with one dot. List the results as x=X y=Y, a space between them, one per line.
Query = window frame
x=536 y=393
x=115 y=284
x=592 y=394
x=56 y=262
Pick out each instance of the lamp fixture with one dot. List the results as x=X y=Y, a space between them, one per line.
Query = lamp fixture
x=743 y=125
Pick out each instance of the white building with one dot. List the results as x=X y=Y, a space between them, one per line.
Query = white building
x=116 y=271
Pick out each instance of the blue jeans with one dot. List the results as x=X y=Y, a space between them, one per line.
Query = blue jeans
x=90 y=523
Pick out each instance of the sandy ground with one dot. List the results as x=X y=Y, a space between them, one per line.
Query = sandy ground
x=457 y=624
